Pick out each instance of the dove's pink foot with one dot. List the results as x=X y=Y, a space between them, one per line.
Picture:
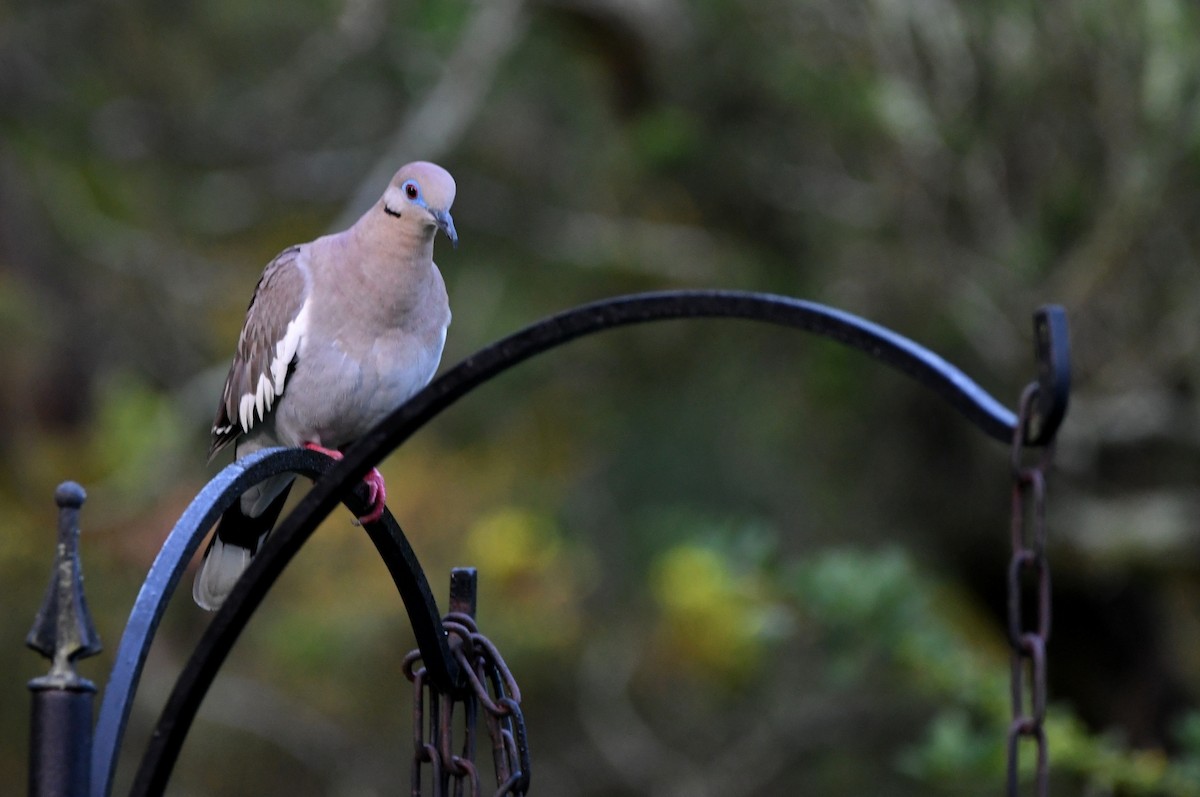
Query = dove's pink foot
x=376 y=494
x=376 y=489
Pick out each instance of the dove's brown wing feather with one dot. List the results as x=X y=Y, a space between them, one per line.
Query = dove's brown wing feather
x=275 y=325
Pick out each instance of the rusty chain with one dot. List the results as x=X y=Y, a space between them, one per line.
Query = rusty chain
x=1028 y=577
x=489 y=687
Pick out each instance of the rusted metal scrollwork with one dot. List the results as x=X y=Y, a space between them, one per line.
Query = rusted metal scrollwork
x=490 y=688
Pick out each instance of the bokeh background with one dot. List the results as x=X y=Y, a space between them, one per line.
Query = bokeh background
x=721 y=558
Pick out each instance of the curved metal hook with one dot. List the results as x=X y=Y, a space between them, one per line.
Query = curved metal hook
x=1052 y=355
x=879 y=342
x=181 y=544
x=1052 y=352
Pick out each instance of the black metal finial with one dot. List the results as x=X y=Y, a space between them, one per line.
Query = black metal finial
x=463 y=590
x=63 y=630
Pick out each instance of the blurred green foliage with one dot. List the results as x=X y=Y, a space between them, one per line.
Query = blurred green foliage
x=939 y=167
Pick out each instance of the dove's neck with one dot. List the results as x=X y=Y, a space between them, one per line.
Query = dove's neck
x=391 y=259
x=407 y=240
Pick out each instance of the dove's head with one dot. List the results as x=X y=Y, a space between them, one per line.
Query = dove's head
x=422 y=193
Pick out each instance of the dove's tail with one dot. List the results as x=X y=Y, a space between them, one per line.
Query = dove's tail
x=237 y=538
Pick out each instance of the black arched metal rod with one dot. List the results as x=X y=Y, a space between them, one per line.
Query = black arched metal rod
x=895 y=350
x=181 y=544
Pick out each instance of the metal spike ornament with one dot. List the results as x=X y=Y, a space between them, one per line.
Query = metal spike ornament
x=63 y=631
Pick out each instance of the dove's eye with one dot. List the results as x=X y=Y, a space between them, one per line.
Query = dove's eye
x=411 y=191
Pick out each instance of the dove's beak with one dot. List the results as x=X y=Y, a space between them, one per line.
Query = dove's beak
x=446 y=224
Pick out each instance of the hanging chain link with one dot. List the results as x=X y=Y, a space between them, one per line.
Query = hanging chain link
x=1028 y=578
x=490 y=687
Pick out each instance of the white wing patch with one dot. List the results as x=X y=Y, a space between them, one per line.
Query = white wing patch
x=254 y=406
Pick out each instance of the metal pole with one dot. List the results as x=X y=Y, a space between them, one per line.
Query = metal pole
x=60 y=741
x=60 y=744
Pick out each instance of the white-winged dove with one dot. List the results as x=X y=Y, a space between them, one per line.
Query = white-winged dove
x=339 y=333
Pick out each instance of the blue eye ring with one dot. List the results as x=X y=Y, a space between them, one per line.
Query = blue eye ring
x=411 y=189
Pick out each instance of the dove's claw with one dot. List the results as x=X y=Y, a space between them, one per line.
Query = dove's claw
x=376 y=489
